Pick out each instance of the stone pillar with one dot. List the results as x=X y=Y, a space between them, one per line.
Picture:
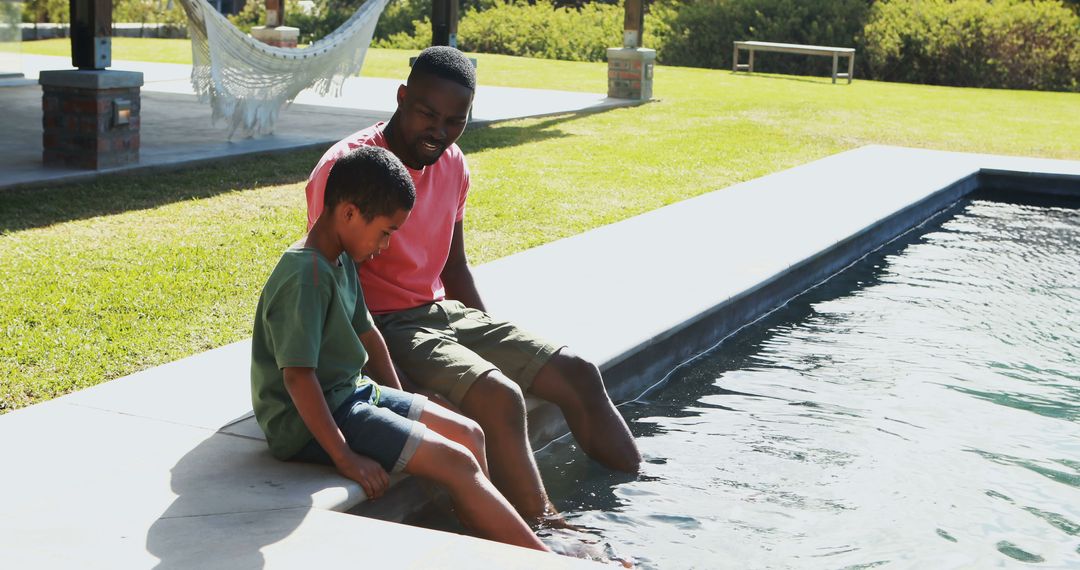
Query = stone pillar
x=630 y=73
x=91 y=117
x=278 y=36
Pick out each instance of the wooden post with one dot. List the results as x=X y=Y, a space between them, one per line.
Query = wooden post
x=633 y=23
x=275 y=13
x=91 y=33
x=444 y=23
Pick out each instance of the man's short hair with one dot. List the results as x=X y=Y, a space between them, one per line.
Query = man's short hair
x=372 y=179
x=447 y=63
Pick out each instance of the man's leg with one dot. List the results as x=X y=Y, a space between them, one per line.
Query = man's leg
x=477 y=502
x=575 y=385
x=497 y=404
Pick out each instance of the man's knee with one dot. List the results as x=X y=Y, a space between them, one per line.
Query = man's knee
x=493 y=397
x=581 y=377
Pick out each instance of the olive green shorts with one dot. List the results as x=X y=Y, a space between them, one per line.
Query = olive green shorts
x=446 y=346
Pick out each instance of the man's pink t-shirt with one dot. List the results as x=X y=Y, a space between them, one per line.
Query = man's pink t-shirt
x=406 y=274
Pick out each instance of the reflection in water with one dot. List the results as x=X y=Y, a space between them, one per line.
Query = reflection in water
x=921 y=409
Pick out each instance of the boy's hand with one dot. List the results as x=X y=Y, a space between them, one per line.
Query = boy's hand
x=366 y=471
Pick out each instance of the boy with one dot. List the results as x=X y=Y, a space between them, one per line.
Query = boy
x=313 y=335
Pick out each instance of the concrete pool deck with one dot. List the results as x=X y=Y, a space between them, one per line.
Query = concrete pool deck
x=166 y=465
x=176 y=127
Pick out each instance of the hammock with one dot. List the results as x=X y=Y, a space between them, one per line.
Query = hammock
x=248 y=82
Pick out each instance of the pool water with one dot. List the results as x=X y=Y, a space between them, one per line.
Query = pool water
x=921 y=409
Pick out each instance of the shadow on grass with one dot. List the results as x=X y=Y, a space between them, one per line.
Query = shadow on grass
x=28 y=208
x=511 y=134
x=815 y=79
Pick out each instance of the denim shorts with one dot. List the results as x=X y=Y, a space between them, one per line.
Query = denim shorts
x=378 y=422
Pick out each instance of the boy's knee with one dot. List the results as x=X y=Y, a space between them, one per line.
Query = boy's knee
x=473 y=432
x=456 y=458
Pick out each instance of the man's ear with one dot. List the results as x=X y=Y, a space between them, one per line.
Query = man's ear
x=401 y=95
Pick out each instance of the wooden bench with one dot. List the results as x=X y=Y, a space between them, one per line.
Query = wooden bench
x=835 y=52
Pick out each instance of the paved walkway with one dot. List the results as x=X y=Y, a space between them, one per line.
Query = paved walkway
x=176 y=127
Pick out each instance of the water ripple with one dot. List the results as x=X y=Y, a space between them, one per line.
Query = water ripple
x=920 y=410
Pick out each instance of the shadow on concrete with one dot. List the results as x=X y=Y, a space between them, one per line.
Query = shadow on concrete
x=227 y=508
x=27 y=208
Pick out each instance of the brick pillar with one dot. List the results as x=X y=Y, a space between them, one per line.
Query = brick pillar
x=278 y=36
x=91 y=117
x=630 y=73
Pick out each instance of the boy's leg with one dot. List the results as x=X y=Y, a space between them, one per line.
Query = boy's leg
x=457 y=428
x=575 y=385
x=476 y=500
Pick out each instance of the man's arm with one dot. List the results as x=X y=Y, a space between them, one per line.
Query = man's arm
x=303 y=387
x=379 y=365
x=456 y=275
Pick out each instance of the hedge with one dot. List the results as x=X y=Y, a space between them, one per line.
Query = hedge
x=700 y=33
x=974 y=43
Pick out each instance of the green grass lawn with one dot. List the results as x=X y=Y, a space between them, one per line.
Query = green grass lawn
x=106 y=278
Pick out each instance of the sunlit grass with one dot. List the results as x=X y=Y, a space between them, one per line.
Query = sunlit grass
x=106 y=278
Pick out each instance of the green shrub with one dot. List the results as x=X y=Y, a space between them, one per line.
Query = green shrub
x=700 y=33
x=126 y=11
x=46 y=11
x=517 y=28
x=974 y=43
x=541 y=30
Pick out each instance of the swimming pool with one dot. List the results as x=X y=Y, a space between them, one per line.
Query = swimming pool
x=921 y=408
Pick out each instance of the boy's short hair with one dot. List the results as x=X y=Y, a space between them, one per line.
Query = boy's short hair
x=372 y=179
x=447 y=63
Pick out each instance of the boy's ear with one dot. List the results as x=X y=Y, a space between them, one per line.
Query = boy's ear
x=350 y=212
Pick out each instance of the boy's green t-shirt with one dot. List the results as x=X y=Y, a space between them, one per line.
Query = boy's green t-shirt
x=310 y=314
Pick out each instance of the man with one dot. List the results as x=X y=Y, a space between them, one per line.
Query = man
x=423 y=298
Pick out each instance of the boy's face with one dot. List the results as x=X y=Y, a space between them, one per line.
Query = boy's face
x=432 y=114
x=364 y=239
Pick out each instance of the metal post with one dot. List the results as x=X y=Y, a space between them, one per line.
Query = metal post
x=850 y=67
x=835 y=62
x=444 y=23
x=91 y=33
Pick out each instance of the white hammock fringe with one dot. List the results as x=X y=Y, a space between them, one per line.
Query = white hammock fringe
x=248 y=82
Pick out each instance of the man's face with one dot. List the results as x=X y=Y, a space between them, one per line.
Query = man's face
x=364 y=239
x=432 y=113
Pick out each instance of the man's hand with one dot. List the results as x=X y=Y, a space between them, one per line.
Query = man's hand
x=366 y=471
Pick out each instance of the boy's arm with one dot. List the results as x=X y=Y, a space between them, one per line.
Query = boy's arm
x=379 y=365
x=456 y=275
x=303 y=387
